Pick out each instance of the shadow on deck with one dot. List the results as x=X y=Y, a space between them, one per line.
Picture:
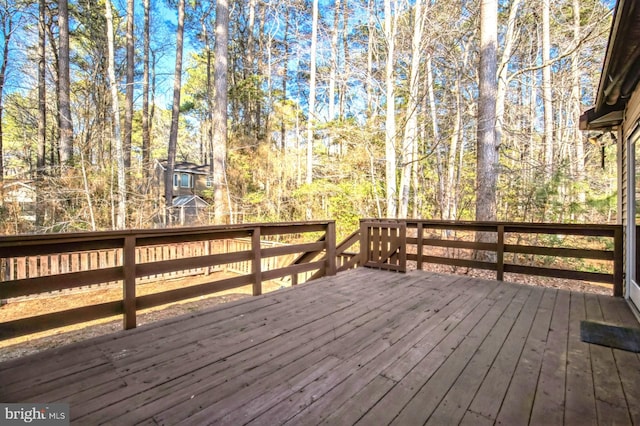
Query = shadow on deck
x=364 y=346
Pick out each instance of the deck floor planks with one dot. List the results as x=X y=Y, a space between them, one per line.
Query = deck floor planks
x=364 y=375
x=488 y=399
x=458 y=399
x=430 y=395
x=357 y=405
x=139 y=380
x=548 y=404
x=422 y=326
x=611 y=405
x=517 y=404
x=364 y=346
x=245 y=362
x=354 y=380
x=614 y=311
x=130 y=368
x=355 y=342
x=580 y=403
x=429 y=354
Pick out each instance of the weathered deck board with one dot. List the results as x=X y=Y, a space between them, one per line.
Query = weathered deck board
x=611 y=405
x=489 y=397
x=580 y=402
x=366 y=347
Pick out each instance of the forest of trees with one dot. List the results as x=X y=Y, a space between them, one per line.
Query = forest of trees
x=304 y=109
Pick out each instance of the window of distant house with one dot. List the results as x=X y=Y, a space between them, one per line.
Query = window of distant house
x=209 y=181
x=184 y=180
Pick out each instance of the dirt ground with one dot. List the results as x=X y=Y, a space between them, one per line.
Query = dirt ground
x=25 y=345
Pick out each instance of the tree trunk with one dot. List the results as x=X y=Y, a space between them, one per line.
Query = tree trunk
x=252 y=107
x=346 y=72
x=504 y=68
x=128 y=111
x=7 y=28
x=487 y=156
x=312 y=94
x=146 y=132
x=334 y=61
x=115 y=111
x=390 y=120
x=411 y=128
x=285 y=73
x=578 y=140
x=436 y=135
x=220 y=108
x=450 y=199
x=208 y=157
x=370 y=42
x=64 y=108
x=42 y=113
x=546 y=91
x=175 y=112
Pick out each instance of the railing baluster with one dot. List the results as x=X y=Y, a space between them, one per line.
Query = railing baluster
x=500 y=254
x=129 y=282
x=256 y=262
x=420 y=234
x=330 y=244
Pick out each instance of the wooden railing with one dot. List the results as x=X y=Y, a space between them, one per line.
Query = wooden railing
x=127 y=246
x=68 y=261
x=505 y=249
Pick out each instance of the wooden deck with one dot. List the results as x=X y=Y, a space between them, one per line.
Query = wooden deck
x=365 y=346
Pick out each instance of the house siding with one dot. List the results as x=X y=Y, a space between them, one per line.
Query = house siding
x=630 y=120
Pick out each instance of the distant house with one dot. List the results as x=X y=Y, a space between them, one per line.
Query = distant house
x=21 y=195
x=188 y=178
x=191 y=182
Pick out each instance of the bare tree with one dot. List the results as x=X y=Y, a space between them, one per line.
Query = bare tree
x=334 y=61
x=65 y=122
x=390 y=120
x=175 y=110
x=487 y=156
x=220 y=108
x=42 y=112
x=8 y=16
x=312 y=94
x=578 y=140
x=128 y=111
x=409 y=146
x=546 y=90
x=146 y=132
x=115 y=114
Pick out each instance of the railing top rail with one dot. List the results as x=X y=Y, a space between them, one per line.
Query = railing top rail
x=71 y=237
x=532 y=227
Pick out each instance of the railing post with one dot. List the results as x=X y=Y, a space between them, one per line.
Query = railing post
x=420 y=233
x=500 y=254
x=364 y=243
x=330 y=244
x=129 y=282
x=402 y=255
x=618 y=261
x=256 y=262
